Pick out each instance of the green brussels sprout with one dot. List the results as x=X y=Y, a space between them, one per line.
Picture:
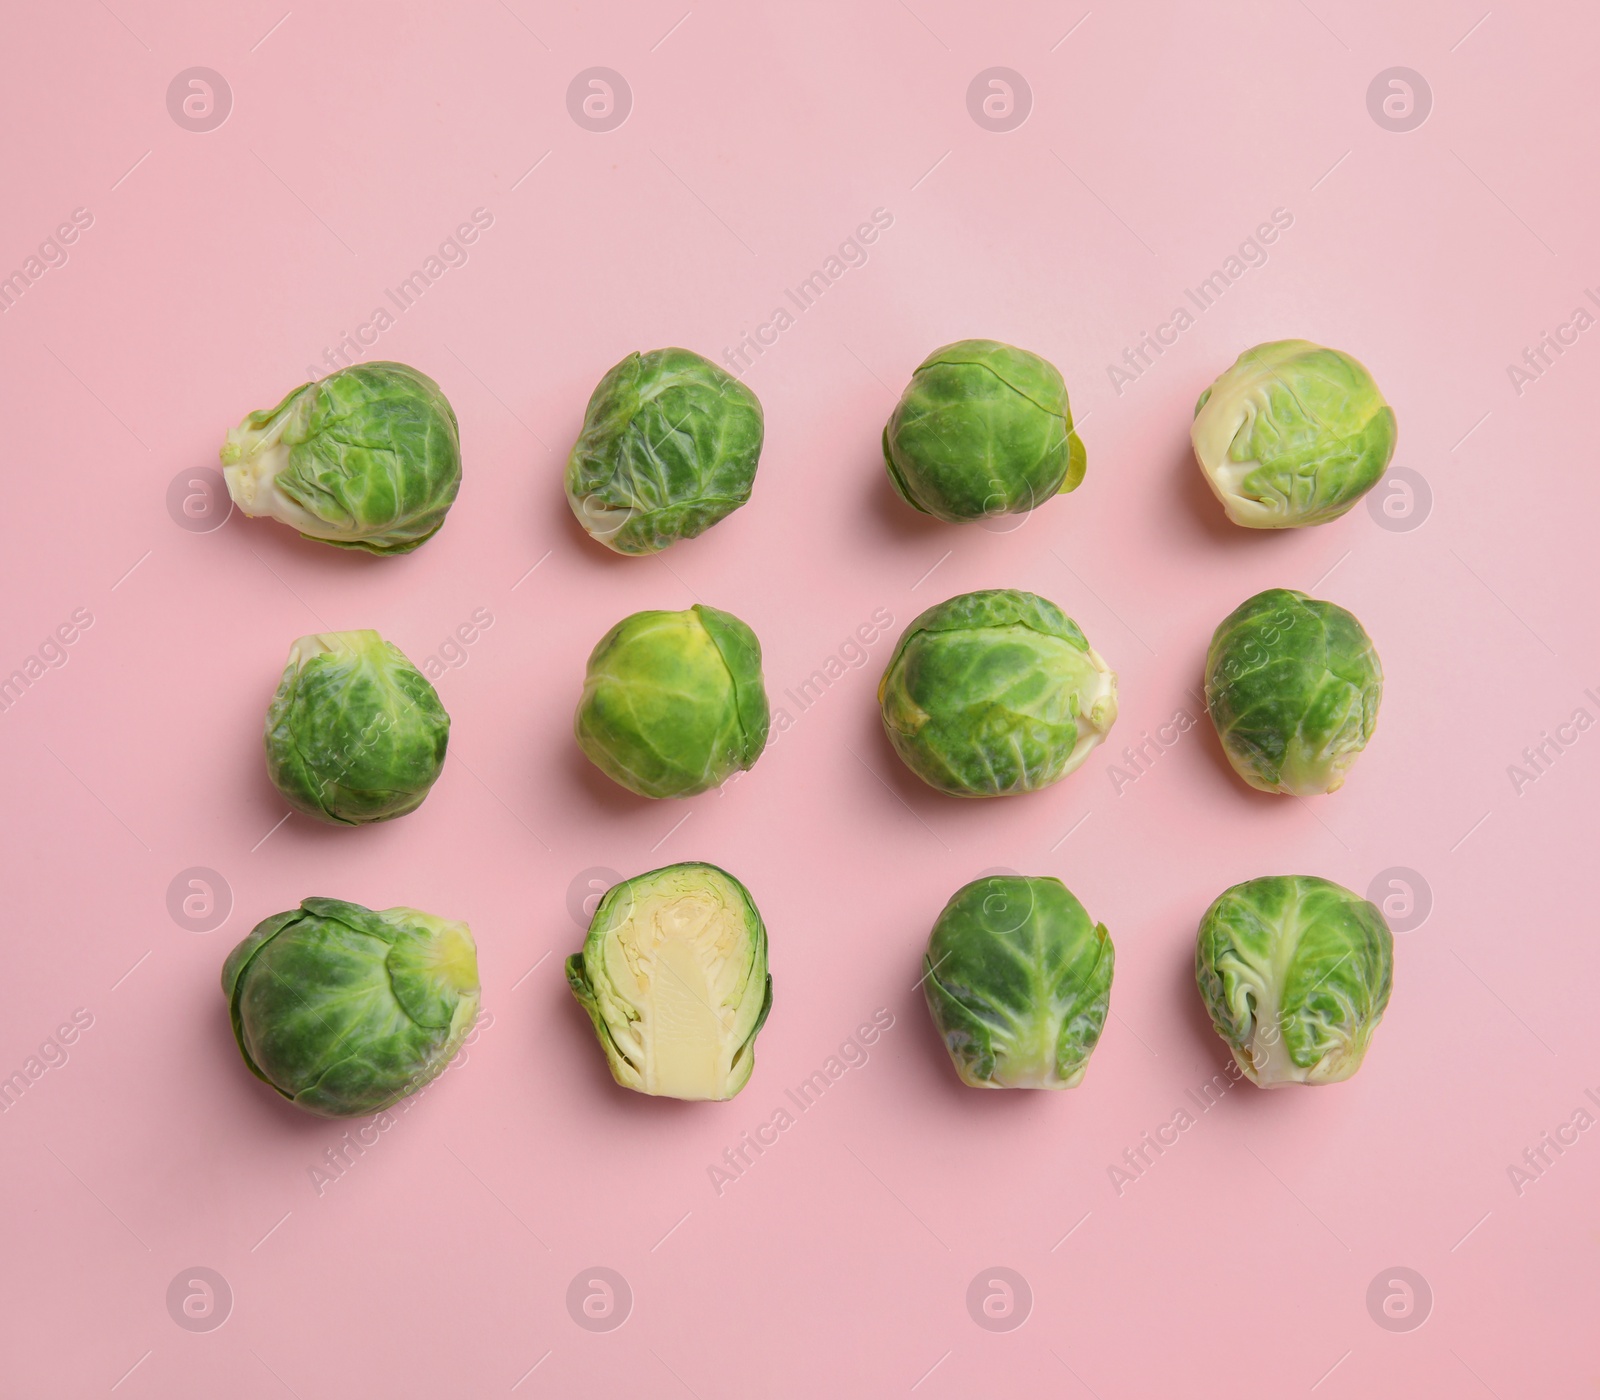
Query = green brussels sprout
x=1296 y=973
x=673 y=703
x=673 y=974
x=1293 y=434
x=1018 y=980
x=1293 y=686
x=355 y=733
x=346 y=1010
x=368 y=458
x=669 y=446
x=982 y=429
x=995 y=692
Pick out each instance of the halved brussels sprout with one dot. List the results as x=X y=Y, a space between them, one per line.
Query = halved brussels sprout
x=982 y=429
x=355 y=733
x=1018 y=980
x=1293 y=686
x=345 y=1010
x=669 y=446
x=673 y=974
x=368 y=458
x=1293 y=434
x=1296 y=973
x=995 y=692
x=673 y=702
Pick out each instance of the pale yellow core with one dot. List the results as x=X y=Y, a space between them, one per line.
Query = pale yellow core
x=675 y=955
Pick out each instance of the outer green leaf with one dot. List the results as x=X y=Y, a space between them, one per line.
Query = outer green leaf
x=1018 y=981
x=345 y=1011
x=368 y=458
x=995 y=692
x=1293 y=686
x=982 y=429
x=1296 y=973
x=355 y=732
x=1292 y=434
x=673 y=702
x=670 y=445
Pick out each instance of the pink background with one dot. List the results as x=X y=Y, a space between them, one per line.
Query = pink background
x=1160 y=136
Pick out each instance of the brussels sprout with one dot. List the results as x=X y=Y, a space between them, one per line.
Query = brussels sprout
x=1018 y=981
x=995 y=692
x=1296 y=973
x=673 y=702
x=345 y=1010
x=982 y=429
x=1293 y=434
x=1293 y=686
x=673 y=973
x=368 y=458
x=669 y=446
x=355 y=733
